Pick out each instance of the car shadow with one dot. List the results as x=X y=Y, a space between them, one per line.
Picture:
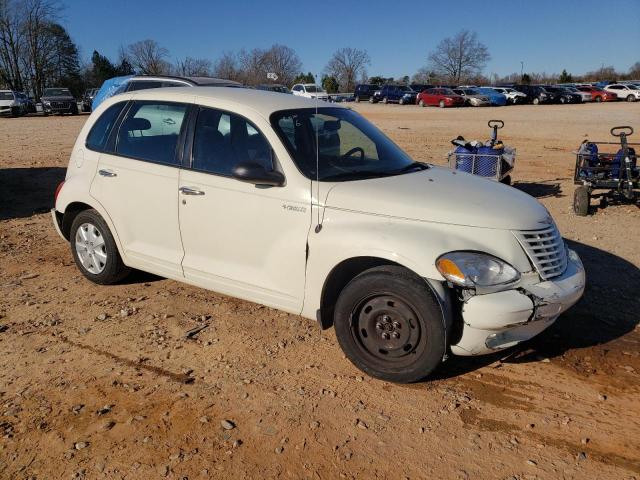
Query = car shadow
x=27 y=191
x=544 y=189
x=608 y=311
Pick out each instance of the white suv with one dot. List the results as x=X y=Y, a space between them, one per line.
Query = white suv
x=314 y=211
x=513 y=96
x=630 y=93
x=310 y=90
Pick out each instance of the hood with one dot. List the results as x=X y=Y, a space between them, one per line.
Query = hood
x=442 y=195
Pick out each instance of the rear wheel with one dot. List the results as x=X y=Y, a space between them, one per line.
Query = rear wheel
x=536 y=101
x=94 y=249
x=372 y=100
x=390 y=325
x=357 y=99
x=441 y=104
x=385 y=100
x=581 y=200
x=401 y=101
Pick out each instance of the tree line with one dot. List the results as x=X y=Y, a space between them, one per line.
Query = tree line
x=37 y=52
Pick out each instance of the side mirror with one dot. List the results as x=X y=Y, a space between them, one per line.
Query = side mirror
x=255 y=173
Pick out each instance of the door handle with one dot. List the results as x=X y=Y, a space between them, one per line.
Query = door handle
x=107 y=173
x=190 y=191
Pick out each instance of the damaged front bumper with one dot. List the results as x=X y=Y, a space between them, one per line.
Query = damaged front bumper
x=496 y=321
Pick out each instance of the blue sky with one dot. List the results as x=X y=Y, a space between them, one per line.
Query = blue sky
x=546 y=35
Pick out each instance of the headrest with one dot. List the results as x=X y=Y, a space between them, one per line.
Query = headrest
x=135 y=123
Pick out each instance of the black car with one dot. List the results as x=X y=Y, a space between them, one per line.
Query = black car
x=364 y=91
x=564 y=95
x=401 y=94
x=273 y=88
x=58 y=100
x=536 y=94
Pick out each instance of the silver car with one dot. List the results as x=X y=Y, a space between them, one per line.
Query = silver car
x=473 y=97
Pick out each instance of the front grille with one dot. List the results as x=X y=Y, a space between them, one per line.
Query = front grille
x=546 y=250
x=61 y=105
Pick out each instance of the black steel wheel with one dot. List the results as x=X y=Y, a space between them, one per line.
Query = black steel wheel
x=390 y=325
x=581 y=201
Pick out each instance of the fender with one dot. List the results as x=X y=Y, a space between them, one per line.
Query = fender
x=415 y=245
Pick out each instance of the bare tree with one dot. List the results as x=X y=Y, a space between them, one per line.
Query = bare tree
x=283 y=61
x=346 y=65
x=11 y=45
x=227 y=67
x=196 y=67
x=148 y=57
x=460 y=56
x=253 y=66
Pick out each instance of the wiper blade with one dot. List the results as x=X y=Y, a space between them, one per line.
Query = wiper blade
x=412 y=166
x=356 y=175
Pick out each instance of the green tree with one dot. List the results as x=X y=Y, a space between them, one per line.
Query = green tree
x=378 y=80
x=330 y=84
x=304 y=78
x=565 y=77
x=102 y=68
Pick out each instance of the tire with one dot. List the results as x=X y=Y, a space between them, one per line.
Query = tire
x=536 y=101
x=105 y=259
x=372 y=100
x=581 y=201
x=390 y=325
x=74 y=110
x=563 y=100
x=385 y=100
x=357 y=99
x=598 y=99
x=401 y=102
x=441 y=104
x=631 y=98
x=421 y=103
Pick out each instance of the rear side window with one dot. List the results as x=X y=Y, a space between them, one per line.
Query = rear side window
x=99 y=134
x=223 y=140
x=150 y=131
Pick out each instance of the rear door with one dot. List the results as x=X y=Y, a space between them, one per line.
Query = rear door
x=137 y=183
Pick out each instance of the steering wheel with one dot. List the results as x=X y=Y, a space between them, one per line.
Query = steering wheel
x=351 y=152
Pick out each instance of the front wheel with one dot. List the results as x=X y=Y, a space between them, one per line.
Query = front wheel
x=631 y=98
x=598 y=99
x=94 y=249
x=385 y=100
x=442 y=104
x=421 y=103
x=390 y=325
x=536 y=101
x=357 y=99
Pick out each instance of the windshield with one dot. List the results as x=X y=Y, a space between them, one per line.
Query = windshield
x=633 y=87
x=57 y=92
x=6 y=95
x=313 y=89
x=470 y=91
x=404 y=88
x=348 y=146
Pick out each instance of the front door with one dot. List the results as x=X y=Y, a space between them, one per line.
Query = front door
x=241 y=239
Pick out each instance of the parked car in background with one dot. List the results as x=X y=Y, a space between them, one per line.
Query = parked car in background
x=536 y=94
x=496 y=99
x=630 y=93
x=586 y=96
x=401 y=94
x=87 y=99
x=473 y=97
x=13 y=103
x=310 y=90
x=419 y=87
x=598 y=94
x=513 y=96
x=563 y=95
x=273 y=88
x=364 y=92
x=130 y=83
x=58 y=101
x=440 y=97
x=217 y=190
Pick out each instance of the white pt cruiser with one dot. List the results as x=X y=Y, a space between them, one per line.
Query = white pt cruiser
x=309 y=208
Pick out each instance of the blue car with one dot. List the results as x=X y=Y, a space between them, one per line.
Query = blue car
x=496 y=99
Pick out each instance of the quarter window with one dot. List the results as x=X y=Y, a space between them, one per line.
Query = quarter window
x=223 y=140
x=99 y=134
x=150 y=131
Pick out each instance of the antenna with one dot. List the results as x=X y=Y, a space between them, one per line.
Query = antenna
x=318 y=224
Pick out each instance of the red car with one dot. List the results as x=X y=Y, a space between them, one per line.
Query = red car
x=440 y=97
x=598 y=94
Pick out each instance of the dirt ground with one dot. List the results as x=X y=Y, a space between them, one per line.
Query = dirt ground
x=100 y=382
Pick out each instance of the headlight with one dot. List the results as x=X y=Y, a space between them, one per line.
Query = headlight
x=470 y=269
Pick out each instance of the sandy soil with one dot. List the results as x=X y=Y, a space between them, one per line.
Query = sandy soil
x=100 y=382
